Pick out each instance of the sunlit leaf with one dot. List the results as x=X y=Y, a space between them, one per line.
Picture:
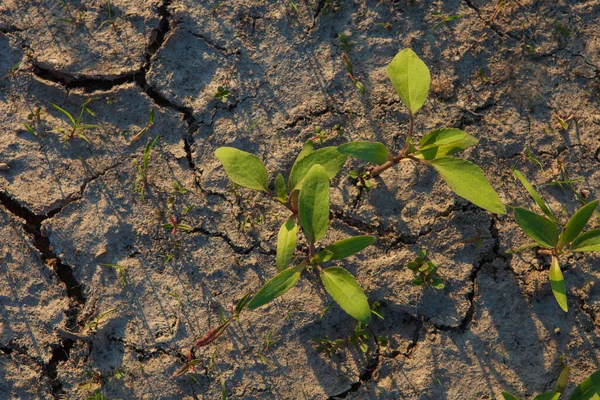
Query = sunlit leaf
x=347 y=247
x=410 y=77
x=243 y=168
x=540 y=229
x=589 y=389
x=576 y=224
x=558 y=284
x=286 y=243
x=313 y=204
x=534 y=195
x=443 y=142
x=587 y=241
x=342 y=287
x=328 y=157
x=281 y=283
x=373 y=152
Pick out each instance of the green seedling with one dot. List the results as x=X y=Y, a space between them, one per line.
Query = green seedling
x=363 y=179
x=97 y=395
x=322 y=135
x=111 y=19
x=358 y=338
x=174 y=226
x=385 y=25
x=530 y=157
x=176 y=297
x=444 y=19
x=425 y=272
x=307 y=197
x=77 y=128
x=344 y=43
x=358 y=84
x=330 y=5
x=98 y=320
x=141 y=181
x=589 y=389
x=94 y=380
x=13 y=70
x=544 y=231
x=477 y=239
x=294 y=7
x=147 y=127
x=561 y=32
x=120 y=271
x=34 y=120
x=482 y=75
x=267 y=343
x=222 y=94
x=178 y=190
x=410 y=77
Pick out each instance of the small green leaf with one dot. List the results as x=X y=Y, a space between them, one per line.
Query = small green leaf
x=576 y=224
x=558 y=284
x=321 y=257
x=373 y=152
x=563 y=380
x=280 y=188
x=587 y=241
x=239 y=307
x=243 y=168
x=589 y=389
x=281 y=283
x=443 y=142
x=547 y=396
x=539 y=228
x=308 y=148
x=410 y=77
x=347 y=247
x=536 y=197
x=328 y=157
x=508 y=396
x=342 y=286
x=313 y=204
x=469 y=182
x=66 y=113
x=286 y=243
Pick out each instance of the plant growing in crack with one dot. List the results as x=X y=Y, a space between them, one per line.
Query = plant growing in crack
x=425 y=271
x=410 y=77
x=544 y=231
x=222 y=94
x=147 y=127
x=141 y=181
x=77 y=128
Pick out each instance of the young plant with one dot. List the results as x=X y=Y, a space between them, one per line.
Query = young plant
x=222 y=94
x=544 y=231
x=425 y=271
x=141 y=181
x=358 y=338
x=77 y=128
x=589 y=389
x=121 y=272
x=147 y=127
x=410 y=77
x=308 y=201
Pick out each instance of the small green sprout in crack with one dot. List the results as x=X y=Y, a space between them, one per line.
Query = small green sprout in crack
x=223 y=94
x=293 y=7
x=330 y=6
x=531 y=158
x=348 y=64
x=100 y=318
x=425 y=272
x=77 y=129
x=178 y=191
x=141 y=181
x=176 y=297
x=266 y=345
x=174 y=226
x=121 y=272
x=322 y=135
x=544 y=231
x=147 y=127
x=363 y=179
x=34 y=121
x=482 y=75
x=445 y=19
x=359 y=338
x=110 y=19
x=411 y=79
x=589 y=389
x=561 y=32
x=344 y=43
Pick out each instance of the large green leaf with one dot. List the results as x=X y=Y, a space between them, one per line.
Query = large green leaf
x=576 y=224
x=443 y=142
x=374 y=152
x=534 y=195
x=342 y=286
x=563 y=380
x=313 y=203
x=280 y=188
x=410 y=77
x=548 y=396
x=328 y=157
x=588 y=389
x=558 y=284
x=286 y=243
x=281 y=283
x=243 y=168
x=468 y=181
x=347 y=247
x=308 y=148
x=543 y=231
x=508 y=396
x=587 y=241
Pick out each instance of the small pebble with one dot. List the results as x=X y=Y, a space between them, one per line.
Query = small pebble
x=585 y=193
x=4 y=167
x=557 y=331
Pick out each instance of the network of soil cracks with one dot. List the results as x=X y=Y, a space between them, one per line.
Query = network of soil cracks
x=523 y=77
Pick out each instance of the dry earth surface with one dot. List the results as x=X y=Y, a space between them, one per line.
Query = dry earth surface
x=69 y=327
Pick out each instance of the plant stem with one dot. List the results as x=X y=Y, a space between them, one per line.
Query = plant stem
x=402 y=156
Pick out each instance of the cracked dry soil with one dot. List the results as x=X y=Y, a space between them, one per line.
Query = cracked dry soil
x=70 y=326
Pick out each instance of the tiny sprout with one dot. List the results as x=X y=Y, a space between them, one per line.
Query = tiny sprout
x=344 y=43
x=222 y=94
x=358 y=338
x=121 y=272
x=77 y=127
x=425 y=271
x=101 y=317
x=141 y=182
x=147 y=127
x=174 y=226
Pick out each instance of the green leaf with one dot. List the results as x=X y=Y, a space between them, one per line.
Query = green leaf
x=469 y=182
x=588 y=389
x=321 y=257
x=280 y=188
x=563 y=380
x=328 y=157
x=308 y=148
x=443 y=142
x=347 y=247
x=587 y=241
x=547 y=396
x=313 y=204
x=558 y=284
x=286 y=243
x=281 y=283
x=239 y=307
x=410 y=78
x=374 y=152
x=543 y=231
x=508 y=396
x=340 y=284
x=66 y=113
x=576 y=224
x=536 y=197
x=243 y=168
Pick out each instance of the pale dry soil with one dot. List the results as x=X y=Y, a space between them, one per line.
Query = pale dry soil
x=69 y=326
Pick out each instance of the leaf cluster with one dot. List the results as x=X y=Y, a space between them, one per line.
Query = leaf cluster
x=425 y=271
